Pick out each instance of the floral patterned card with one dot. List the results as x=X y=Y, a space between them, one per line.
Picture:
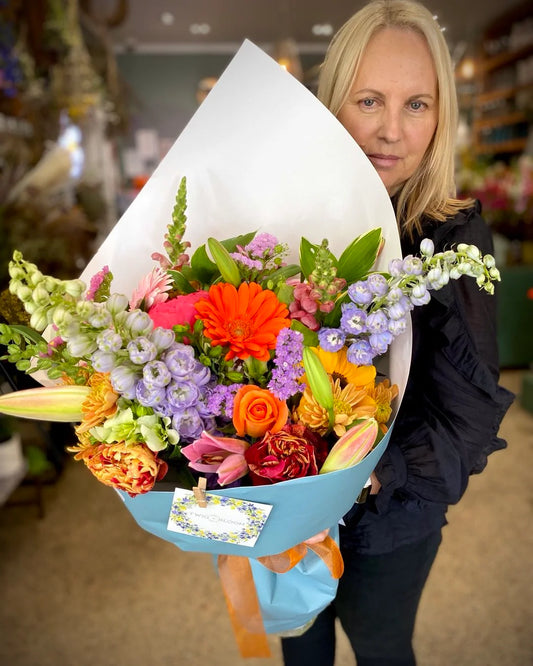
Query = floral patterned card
x=225 y=519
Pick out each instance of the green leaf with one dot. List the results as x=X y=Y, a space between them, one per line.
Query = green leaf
x=310 y=337
x=181 y=283
x=307 y=256
x=202 y=267
x=283 y=273
x=359 y=257
x=231 y=243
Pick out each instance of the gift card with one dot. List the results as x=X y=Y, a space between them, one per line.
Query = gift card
x=223 y=518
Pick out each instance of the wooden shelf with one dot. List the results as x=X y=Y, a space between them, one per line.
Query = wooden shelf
x=506 y=58
x=500 y=93
x=512 y=146
x=500 y=121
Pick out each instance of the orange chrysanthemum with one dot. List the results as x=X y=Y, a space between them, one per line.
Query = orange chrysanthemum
x=383 y=394
x=246 y=320
x=100 y=404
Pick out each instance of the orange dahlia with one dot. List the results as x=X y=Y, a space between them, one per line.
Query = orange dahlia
x=247 y=319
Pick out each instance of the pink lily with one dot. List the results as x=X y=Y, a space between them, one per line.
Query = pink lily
x=352 y=447
x=223 y=455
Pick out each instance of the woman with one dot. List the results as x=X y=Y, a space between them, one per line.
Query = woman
x=389 y=80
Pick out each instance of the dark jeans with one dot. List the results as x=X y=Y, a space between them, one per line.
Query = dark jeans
x=376 y=603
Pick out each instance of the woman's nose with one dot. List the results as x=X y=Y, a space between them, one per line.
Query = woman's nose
x=391 y=125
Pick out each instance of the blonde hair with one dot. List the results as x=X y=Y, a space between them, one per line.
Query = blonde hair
x=430 y=191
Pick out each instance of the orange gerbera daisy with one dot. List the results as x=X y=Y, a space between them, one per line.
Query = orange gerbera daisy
x=247 y=320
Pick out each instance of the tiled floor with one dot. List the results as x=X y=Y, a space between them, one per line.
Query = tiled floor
x=85 y=586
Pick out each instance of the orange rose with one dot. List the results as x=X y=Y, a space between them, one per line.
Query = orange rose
x=256 y=411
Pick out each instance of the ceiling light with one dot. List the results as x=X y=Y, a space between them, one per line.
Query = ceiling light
x=322 y=29
x=200 y=28
x=167 y=18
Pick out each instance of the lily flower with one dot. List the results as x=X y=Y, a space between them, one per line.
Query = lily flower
x=221 y=455
x=352 y=447
x=47 y=403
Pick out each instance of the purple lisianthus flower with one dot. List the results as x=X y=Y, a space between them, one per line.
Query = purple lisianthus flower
x=201 y=375
x=420 y=294
x=162 y=338
x=123 y=379
x=141 y=350
x=188 y=423
x=109 y=341
x=156 y=374
x=331 y=339
x=353 y=319
x=180 y=360
x=103 y=361
x=149 y=396
x=360 y=353
x=396 y=267
x=359 y=293
x=182 y=394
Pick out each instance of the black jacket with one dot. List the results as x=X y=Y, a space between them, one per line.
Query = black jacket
x=452 y=409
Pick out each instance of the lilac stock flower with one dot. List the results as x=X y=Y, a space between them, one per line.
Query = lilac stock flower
x=353 y=319
x=359 y=293
x=220 y=399
x=141 y=350
x=360 y=353
x=253 y=264
x=262 y=245
x=288 y=367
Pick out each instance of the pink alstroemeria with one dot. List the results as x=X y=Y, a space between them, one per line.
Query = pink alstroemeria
x=221 y=455
x=151 y=290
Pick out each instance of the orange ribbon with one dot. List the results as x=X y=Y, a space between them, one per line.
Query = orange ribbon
x=238 y=585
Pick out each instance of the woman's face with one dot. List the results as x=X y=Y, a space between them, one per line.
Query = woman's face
x=392 y=108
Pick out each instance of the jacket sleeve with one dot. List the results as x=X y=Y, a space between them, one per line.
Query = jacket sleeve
x=453 y=406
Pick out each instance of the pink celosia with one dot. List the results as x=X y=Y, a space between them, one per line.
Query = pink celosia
x=151 y=290
x=223 y=455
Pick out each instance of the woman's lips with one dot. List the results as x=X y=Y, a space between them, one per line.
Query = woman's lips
x=383 y=161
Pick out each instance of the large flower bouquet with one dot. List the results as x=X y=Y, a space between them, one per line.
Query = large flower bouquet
x=270 y=364
x=239 y=366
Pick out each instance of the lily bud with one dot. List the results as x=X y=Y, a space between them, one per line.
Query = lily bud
x=318 y=379
x=352 y=447
x=50 y=403
x=225 y=263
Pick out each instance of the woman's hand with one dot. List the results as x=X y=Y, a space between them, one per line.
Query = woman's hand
x=376 y=485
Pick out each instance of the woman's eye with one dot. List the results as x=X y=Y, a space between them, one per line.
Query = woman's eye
x=367 y=103
x=416 y=105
